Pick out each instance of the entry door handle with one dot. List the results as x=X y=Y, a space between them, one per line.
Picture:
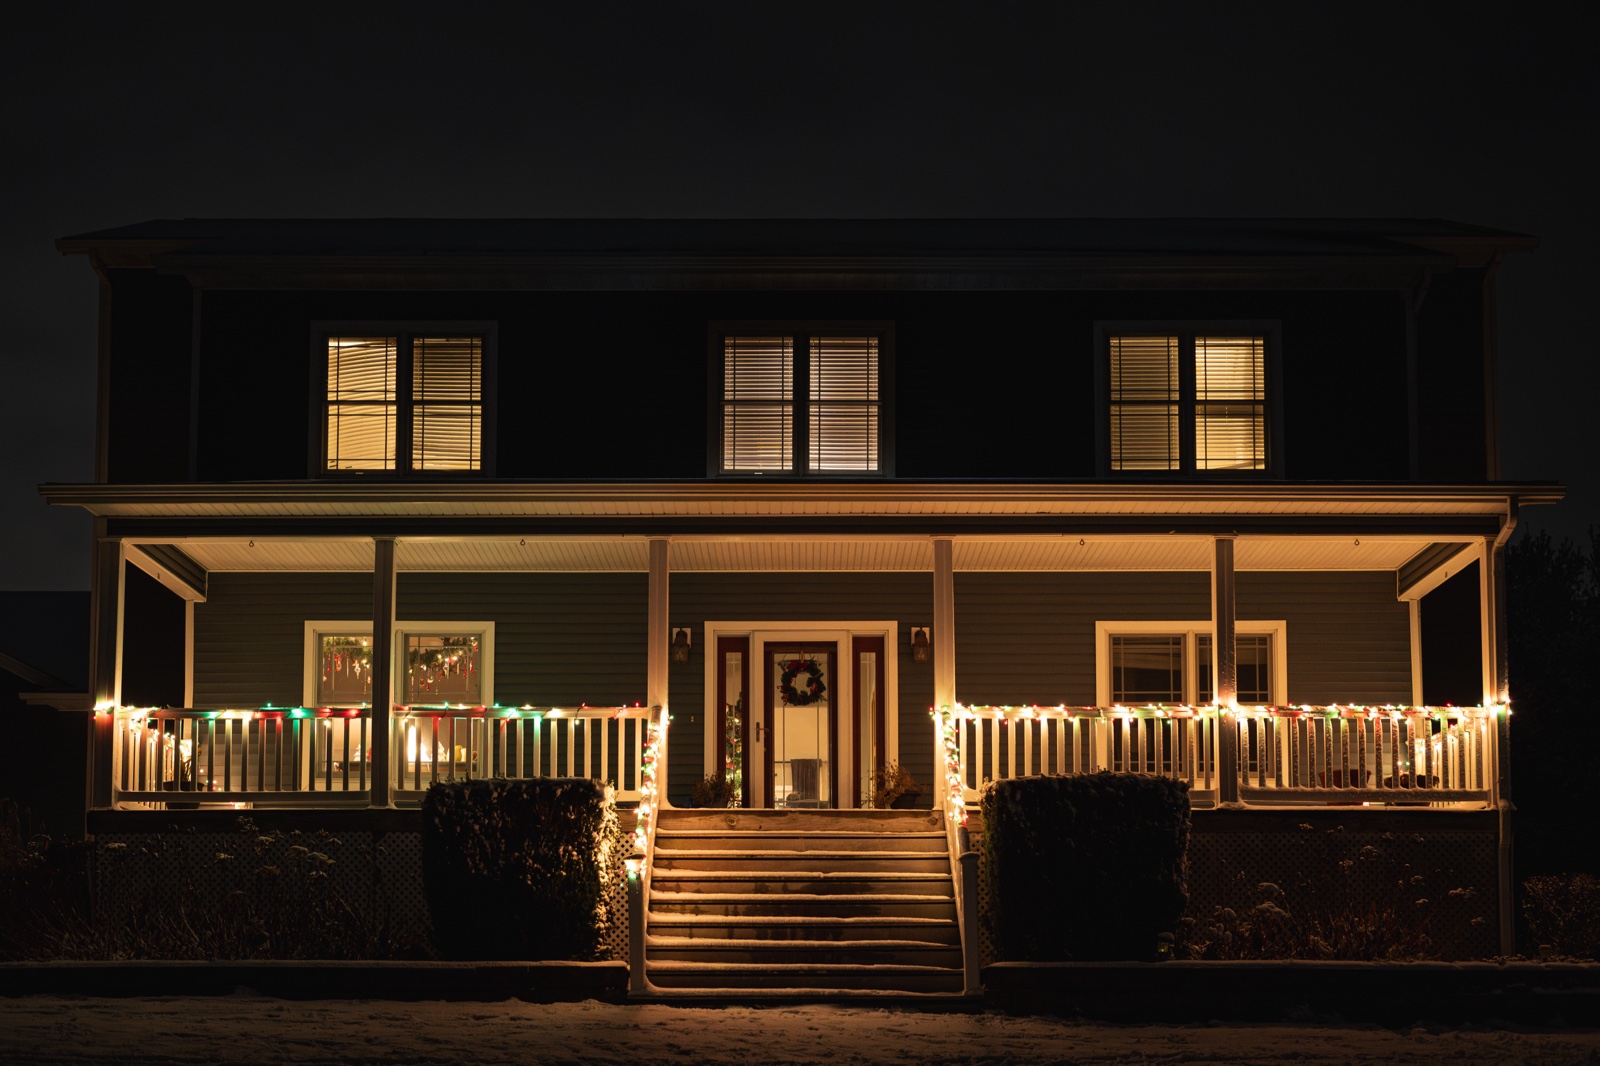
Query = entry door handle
x=758 y=732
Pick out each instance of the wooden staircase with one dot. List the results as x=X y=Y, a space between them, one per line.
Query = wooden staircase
x=766 y=903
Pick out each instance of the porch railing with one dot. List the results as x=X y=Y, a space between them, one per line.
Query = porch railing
x=445 y=743
x=1288 y=756
x=302 y=756
x=279 y=756
x=1356 y=754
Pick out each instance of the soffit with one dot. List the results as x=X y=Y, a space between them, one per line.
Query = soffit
x=748 y=554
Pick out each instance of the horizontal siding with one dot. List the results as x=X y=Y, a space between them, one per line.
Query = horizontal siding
x=1349 y=636
x=1029 y=638
x=249 y=635
x=560 y=639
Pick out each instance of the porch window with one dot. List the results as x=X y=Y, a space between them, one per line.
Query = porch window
x=795 y=402
x=1187 y=401
x=449 y=662
x=1163 y=662
x=407 y=402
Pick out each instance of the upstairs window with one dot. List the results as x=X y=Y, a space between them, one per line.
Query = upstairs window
x=1187 y=401
x=795 y=402
x=404 y=402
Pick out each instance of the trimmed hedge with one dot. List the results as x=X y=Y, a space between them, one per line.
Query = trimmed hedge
x=1088 y=867
x=521 y=869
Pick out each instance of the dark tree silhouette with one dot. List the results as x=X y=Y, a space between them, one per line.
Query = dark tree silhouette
x=1553 y=604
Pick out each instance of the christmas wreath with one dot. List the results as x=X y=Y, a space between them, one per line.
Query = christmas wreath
x=814 y=689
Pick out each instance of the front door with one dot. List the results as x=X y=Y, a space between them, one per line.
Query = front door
x=801 y=723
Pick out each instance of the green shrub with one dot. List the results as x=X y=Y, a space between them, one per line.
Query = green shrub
x=521 y=869
x=1084 y=867
x=1563 y=914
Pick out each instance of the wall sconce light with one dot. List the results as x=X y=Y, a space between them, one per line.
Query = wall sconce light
x=921 y=644
x=680 y=645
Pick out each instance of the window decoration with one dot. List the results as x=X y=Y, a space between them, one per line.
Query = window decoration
x=1187 y=402
x=802 y=403
x=808 y=691
x=404 y=403
x=438 y=663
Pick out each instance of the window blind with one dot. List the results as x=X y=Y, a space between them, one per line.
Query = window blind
x=758 y=404
x=844 y=404
x=1230 y=403
x=1144 y=403
x=447 y=403
x=362 y=407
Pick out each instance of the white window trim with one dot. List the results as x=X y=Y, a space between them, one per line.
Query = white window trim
x=1278 y=629
x=760 y=633
x=358 y=627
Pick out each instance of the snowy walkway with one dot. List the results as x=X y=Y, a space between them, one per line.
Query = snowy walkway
x=255 y=1029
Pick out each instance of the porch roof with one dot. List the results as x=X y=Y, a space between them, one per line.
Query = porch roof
x=1416 y=531
x=789 y=499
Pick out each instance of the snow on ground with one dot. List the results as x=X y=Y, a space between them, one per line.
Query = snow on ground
x=245 y=1028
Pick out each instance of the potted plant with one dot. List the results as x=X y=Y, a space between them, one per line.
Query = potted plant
x=714 y=790
x=894 y=787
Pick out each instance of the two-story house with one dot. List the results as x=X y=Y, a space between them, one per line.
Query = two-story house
x=381 y=502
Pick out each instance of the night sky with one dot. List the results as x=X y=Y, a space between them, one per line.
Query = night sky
x=118 y=113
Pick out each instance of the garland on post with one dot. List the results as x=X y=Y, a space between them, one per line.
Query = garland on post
x=814 y=689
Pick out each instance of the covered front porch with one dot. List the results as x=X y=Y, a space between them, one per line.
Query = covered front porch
x=1265 y=646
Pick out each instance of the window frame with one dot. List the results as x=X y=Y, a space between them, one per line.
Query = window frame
x=1277 y=629
x=801 y=331
x=315 y=629
x=1186 y=330
x=404 y=332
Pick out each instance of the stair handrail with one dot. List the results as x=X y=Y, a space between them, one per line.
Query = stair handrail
x=947 y=723
x=652 y=800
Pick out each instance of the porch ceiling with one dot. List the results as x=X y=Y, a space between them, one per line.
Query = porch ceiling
x=709 y=554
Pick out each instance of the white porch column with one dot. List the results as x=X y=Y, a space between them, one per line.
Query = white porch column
x=656 y=657
x=105 y=666
x=383 y=659
x=1225 y=668
x=944 y=623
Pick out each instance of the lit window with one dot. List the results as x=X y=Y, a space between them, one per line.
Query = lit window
x=439 y=662
x=1187 y=402
x=802 y=403
x=405 y=403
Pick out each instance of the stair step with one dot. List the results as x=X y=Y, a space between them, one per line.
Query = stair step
x=802 y=903
x=805 y=881
x=786 y=952
x=797 y=976
x=815 y=927
x=791 y=841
